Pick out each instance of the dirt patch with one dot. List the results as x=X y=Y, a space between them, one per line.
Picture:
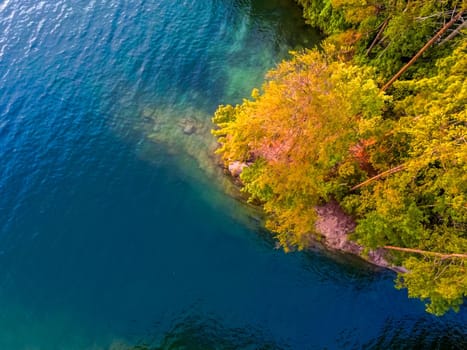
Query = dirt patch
x=336 y=226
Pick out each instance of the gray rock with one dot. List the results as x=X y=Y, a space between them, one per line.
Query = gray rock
x=236 y=168
x=189 y=129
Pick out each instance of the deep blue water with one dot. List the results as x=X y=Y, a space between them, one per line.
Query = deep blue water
x=109 y=239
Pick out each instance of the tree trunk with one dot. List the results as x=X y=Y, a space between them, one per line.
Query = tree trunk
x=425 y=252
x=376 y=39
x=384 y=173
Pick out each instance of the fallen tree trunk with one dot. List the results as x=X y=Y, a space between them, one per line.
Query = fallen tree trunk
x=384 y=173
x=425 y=252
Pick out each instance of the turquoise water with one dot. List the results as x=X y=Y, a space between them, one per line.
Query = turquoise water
x=114 y=227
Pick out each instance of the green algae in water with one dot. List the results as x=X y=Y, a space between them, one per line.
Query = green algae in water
x=185 y=137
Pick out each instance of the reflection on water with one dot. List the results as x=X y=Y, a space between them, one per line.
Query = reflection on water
x=208 y=333
x=411 y=334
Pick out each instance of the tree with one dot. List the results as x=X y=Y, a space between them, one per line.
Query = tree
x=298 y=133
x=424 y=205
x=394 y=30
x=321 y=129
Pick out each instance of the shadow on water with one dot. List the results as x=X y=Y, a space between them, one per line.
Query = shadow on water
x=342 y=269
x=420 y=334
x=338 y=268
x=286 y=20
x=204 y=333
x=196 y=332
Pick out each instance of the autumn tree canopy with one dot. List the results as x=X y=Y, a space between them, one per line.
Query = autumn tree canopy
x=298 y=132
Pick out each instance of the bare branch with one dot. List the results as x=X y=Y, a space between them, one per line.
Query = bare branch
x=380 y=32
x=454 y=32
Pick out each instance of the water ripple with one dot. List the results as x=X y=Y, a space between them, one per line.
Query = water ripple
x=106 y=229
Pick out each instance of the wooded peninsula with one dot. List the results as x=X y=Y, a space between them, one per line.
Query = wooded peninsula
x=374 y=119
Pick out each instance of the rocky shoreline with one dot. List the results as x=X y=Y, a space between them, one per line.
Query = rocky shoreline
x=335 y=226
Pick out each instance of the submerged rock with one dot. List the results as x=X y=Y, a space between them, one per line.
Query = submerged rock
x=148 y=115
x=188 y=125
x=189 y=129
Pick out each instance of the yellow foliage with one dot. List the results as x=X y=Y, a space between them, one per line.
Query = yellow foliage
x=300 y=127
x=356 y=11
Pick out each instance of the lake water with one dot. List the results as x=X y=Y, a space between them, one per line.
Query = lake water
x=115 y=231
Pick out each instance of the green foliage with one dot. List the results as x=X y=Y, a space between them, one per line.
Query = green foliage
x=410 y=25
x=434 y=179
x=443 y=284
x=424 y=206
x=424 y=130
x=323 y=15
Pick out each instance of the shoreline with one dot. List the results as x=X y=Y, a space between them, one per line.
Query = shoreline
x=333 y=226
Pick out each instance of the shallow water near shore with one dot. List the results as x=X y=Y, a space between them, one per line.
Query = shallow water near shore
x=115 y=230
